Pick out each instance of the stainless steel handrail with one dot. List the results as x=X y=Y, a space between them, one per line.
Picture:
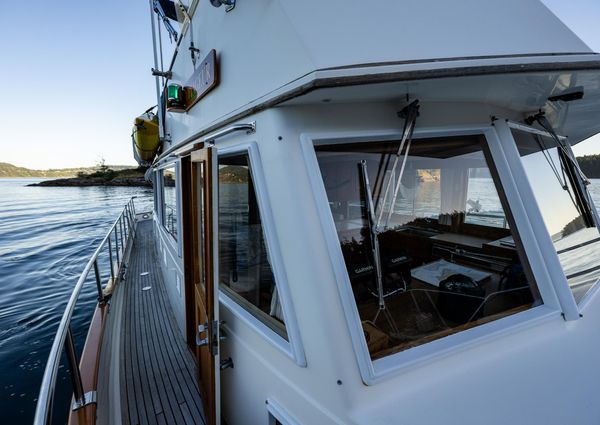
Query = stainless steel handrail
x=249 y=128
x=64 y=338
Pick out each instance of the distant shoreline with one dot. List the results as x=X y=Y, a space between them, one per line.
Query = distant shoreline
x=105 y=176
x=12 y=171
x=86 y=182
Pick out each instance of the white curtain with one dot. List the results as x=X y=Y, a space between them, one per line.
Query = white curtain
x=454 y=184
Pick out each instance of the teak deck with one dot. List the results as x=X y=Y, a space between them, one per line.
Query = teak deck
x=157 y=371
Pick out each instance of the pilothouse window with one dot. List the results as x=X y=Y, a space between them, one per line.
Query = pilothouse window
x=244 y=268
x=427 y=244
x=563 y=200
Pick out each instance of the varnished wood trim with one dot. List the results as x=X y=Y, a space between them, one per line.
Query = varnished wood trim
x=199 y=265
x=88 y=366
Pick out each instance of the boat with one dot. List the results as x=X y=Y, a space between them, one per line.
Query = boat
x=363 y=214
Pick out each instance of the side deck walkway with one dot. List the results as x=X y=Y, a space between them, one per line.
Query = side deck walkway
x=157 y=371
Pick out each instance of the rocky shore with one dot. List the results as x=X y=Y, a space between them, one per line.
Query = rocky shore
x=95 y=181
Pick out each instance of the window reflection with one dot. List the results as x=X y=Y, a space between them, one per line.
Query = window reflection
x=244 y=269
x=170 y=201
x=433 y=259
x=567 y=218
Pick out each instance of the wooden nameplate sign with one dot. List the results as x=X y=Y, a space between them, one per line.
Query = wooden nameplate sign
x=203 y=80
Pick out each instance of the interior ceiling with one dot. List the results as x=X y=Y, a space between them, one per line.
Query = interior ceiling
x=523 y=93
x=438 y=147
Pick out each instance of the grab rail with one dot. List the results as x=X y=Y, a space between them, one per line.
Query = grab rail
x=121 y=233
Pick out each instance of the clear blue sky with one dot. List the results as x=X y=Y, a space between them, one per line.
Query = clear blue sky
x=74 y=74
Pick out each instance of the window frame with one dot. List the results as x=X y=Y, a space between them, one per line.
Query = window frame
x=292 y=347
x=278 y=413
x=157 y=189
x=573 y=309
x=376 y=371
x=175 y=244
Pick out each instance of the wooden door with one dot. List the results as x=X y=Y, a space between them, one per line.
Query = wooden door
x=203 y=275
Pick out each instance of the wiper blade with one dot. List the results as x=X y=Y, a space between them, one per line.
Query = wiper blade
x=578 y=179
x=374 y=234
x=543 y=121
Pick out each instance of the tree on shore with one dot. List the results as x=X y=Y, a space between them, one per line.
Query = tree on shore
x=590 y=165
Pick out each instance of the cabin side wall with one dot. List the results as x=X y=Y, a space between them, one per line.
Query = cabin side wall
x=168 y=253
x=524 y=374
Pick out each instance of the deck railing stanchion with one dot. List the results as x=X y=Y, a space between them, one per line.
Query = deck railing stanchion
x=112 y=270
x=128 y=215
x=117 y=246
x=117 y=241
x=74 y=369
x=98 y=282
x=122 y=234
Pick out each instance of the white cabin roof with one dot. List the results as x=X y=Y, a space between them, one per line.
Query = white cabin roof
x=267 y=48
x=342 y=33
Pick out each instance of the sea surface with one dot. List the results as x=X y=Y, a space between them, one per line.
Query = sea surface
x=47 y=235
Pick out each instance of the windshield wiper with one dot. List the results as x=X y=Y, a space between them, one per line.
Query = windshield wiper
x=374 y=236
x=575 y=175
x=410 y=114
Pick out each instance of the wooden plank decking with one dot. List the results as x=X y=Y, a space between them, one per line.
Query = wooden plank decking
x=157 y=371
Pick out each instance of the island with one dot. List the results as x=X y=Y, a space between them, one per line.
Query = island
x=100 y=175
x=105 y=176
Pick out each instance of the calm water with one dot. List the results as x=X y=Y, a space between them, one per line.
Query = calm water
x=46 y=237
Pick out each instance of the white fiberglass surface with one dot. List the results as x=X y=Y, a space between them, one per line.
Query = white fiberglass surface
x=563 y=200
x=427 y=245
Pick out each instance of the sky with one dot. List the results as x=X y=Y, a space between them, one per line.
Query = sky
x=74 y=74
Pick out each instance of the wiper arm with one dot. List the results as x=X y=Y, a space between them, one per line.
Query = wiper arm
x=410 y=114
x=578 y=179
x=543 y=121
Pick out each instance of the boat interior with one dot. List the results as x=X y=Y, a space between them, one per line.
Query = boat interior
x=446 y=254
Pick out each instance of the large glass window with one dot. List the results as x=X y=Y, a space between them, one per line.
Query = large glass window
x=425 y=239
x=563 y=200
x=244 y=269
x=170 y=201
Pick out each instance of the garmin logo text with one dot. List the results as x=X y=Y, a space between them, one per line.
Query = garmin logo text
x=363 y=269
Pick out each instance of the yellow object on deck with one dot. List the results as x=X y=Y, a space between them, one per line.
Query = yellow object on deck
x=146 y=140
